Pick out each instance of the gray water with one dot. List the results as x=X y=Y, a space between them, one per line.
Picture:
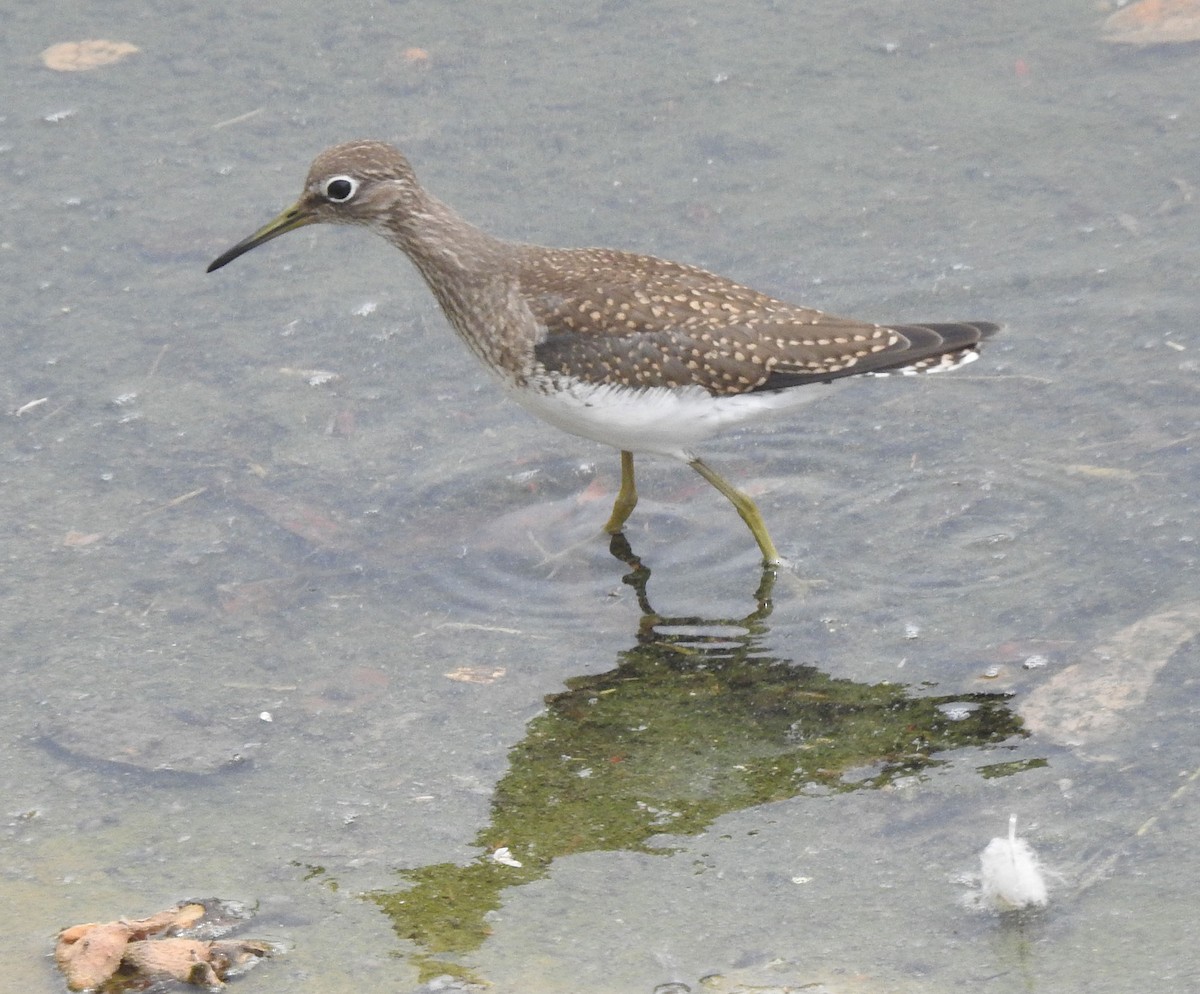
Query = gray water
x=240 y=599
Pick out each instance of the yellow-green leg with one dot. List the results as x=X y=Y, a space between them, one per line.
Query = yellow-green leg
x=745 y=507
x=626 y=497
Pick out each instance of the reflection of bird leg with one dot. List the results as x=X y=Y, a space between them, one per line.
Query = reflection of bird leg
x=762 y=596
x=638 y=578
x=638 y=575
x=623 y=552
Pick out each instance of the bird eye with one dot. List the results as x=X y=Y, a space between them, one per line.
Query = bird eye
x=339 y=189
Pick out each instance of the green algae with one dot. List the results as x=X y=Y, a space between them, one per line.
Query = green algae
x=698 y=719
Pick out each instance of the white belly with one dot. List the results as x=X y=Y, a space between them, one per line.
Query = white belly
x=656 y=420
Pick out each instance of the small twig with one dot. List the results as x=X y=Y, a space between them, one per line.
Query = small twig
x=30 y=406
x=175 y=502
x=239 y=119
x=157 y=359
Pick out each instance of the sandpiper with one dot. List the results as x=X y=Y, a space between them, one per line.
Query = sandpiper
x=643 y=354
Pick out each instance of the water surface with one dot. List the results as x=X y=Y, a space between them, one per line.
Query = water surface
x=397 y=566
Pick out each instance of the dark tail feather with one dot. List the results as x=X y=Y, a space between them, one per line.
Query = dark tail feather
x=931 y=348
x=934 y=348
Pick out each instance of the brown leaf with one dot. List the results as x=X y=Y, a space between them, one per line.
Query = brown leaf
x=175 y=919
x=77 y=56
x=89 y=954
x=1154 y=22
x=192 y=961
x=230 y=954
x=185 y=960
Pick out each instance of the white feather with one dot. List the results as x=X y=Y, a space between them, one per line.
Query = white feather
x=658 y=420
x=1011 y=873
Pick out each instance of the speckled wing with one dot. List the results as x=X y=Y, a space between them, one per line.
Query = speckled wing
x=630 y=320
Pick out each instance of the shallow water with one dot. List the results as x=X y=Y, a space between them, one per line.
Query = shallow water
x=398 y=566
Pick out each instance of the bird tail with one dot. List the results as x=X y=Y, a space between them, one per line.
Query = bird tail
x=946 y=346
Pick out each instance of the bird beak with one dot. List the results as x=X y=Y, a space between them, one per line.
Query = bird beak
x=296 y=216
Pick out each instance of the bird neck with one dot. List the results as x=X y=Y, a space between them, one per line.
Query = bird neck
x=442 y=244
x=469 y=272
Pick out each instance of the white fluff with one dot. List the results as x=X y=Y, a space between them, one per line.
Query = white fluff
x=665 y=421
x=1011 y=873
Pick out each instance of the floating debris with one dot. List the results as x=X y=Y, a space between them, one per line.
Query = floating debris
x=79 y=540
x=313 y=377
x=476 y=674
x=504 y=856
x=1154 y=22
x=181 y=943
x=29 y=406
x=79 y=56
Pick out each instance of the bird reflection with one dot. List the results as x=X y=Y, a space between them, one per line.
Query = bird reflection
x=698 y=718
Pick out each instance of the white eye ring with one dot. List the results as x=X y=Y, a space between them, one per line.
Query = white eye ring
x=340 y=189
